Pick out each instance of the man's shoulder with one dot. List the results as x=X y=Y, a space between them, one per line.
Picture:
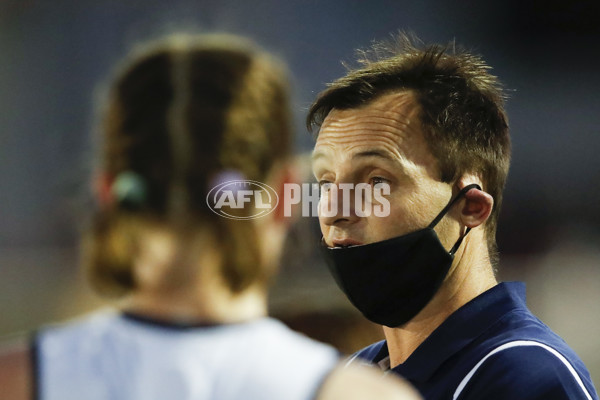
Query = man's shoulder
x=520 y=357
x=527 y=369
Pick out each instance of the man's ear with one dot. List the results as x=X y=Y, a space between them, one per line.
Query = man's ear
x=477 y=204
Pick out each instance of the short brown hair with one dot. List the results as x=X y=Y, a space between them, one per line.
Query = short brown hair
x=461 y=108
x=179 y=113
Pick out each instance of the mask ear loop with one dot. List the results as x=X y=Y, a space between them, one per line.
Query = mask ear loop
x=439 y=217
x=458 y=242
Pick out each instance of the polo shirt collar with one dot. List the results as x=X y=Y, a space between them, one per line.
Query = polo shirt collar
x=459 y=329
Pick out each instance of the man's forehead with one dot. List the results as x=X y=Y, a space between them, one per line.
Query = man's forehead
x=386 y=128
x=387 y=122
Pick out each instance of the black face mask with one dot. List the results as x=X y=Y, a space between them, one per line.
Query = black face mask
x=391 y=281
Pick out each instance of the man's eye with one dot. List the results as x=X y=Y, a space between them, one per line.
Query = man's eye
x=377 y=179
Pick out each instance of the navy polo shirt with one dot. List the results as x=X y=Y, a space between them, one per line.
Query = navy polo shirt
x=492 y=348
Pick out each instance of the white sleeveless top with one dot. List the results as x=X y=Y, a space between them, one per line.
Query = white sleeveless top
x=108 y=355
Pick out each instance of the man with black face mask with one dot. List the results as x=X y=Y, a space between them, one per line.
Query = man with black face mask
x=429 y=126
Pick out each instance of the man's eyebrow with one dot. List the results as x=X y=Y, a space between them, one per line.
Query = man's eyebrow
x=374 y=153
x=363 y=154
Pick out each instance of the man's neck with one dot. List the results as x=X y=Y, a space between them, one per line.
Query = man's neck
x=466 y=280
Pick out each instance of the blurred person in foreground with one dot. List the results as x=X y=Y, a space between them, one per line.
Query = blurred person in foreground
x=428 y=125
x=182 y=116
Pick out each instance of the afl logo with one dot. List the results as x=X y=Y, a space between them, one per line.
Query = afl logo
x=230 y=199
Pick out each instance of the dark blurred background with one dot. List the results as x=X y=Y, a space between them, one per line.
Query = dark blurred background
x=55 y=54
